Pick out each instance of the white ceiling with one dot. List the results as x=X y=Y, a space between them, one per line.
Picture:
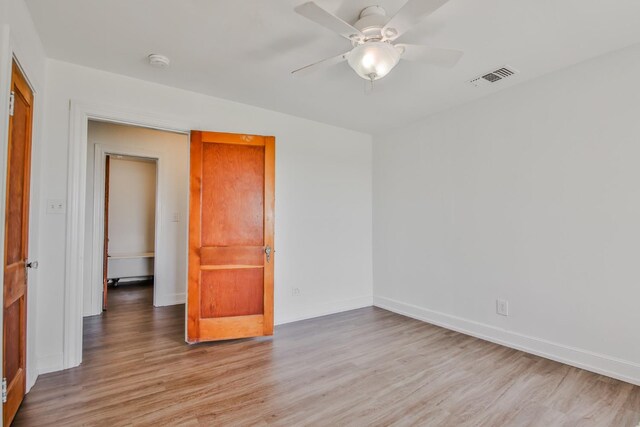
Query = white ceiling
x=244 y=50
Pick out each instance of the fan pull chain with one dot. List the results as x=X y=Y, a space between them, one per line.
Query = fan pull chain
x=369 y=86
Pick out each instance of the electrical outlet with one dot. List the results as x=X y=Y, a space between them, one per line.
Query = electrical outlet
x=55 y=206
x=295 y=292
x=502 y=307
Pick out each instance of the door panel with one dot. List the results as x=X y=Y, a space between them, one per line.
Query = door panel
x=12 y=340
x=15 y=181
x=16 y=241
x=105 y=240
x=232 y=195
x=230 y=291
x=236 y=255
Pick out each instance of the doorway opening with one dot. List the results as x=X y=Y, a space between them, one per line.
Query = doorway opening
x=136 y=201
x=129 y=222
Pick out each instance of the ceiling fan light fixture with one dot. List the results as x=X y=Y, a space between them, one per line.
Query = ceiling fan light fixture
x=373 y=60
x=372 y=36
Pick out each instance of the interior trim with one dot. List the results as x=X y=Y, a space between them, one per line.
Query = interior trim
x=79 y=116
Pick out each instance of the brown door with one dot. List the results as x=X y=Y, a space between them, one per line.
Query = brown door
x=15 y=245
x=105 y=241
x=231 y=255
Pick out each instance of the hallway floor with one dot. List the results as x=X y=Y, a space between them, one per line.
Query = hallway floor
x=362 y=367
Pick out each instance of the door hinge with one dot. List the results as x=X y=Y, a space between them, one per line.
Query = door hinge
x=12 y=102
x=4 y=390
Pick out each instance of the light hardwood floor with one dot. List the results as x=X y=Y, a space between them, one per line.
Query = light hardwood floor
x=363 y=367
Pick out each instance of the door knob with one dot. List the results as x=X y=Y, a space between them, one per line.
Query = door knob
x=32 y=264
x=268 y=251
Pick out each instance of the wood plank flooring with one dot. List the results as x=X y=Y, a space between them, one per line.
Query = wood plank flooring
x=359 y=368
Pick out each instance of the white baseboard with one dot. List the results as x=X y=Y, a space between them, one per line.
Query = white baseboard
x=170 y=299
x=32 y=376
x=599 y=363
x=50 y=363
x=89 y=313
x=326 y=309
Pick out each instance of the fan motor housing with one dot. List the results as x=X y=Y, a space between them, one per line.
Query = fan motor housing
x=372 y=20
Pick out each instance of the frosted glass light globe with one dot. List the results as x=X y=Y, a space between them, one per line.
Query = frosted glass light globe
x=373 y=60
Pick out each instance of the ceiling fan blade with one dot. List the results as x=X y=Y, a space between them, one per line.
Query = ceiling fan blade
x=410 y=14
x=431 y=55
x=328 y=20
x=320 y=64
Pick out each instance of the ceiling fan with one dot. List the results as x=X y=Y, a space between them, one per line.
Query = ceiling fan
x=374 y=53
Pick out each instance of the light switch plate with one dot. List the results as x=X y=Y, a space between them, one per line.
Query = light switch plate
x=56 y=206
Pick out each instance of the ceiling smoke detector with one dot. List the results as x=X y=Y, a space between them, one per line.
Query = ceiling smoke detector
x=158 y=61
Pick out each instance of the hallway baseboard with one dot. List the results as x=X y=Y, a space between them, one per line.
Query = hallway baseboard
x=50 y=363
x=171 y=299
x=325 y=309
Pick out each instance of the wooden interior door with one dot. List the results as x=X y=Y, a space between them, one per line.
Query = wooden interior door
x=15 y=245
x=105 y=240
x=231 y=218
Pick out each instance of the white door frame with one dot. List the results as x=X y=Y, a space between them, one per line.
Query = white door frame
x=97 y=264
x=79 y=116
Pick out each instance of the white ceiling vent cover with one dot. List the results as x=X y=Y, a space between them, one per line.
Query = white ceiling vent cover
x=494 y=76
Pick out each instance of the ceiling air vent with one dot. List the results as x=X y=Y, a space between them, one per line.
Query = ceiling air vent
x=493 y=76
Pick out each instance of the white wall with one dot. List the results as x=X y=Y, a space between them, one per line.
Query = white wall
x=19 y=39
x=132 y=222
x=132 y=204
x=532 y=195
x=323 y=194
